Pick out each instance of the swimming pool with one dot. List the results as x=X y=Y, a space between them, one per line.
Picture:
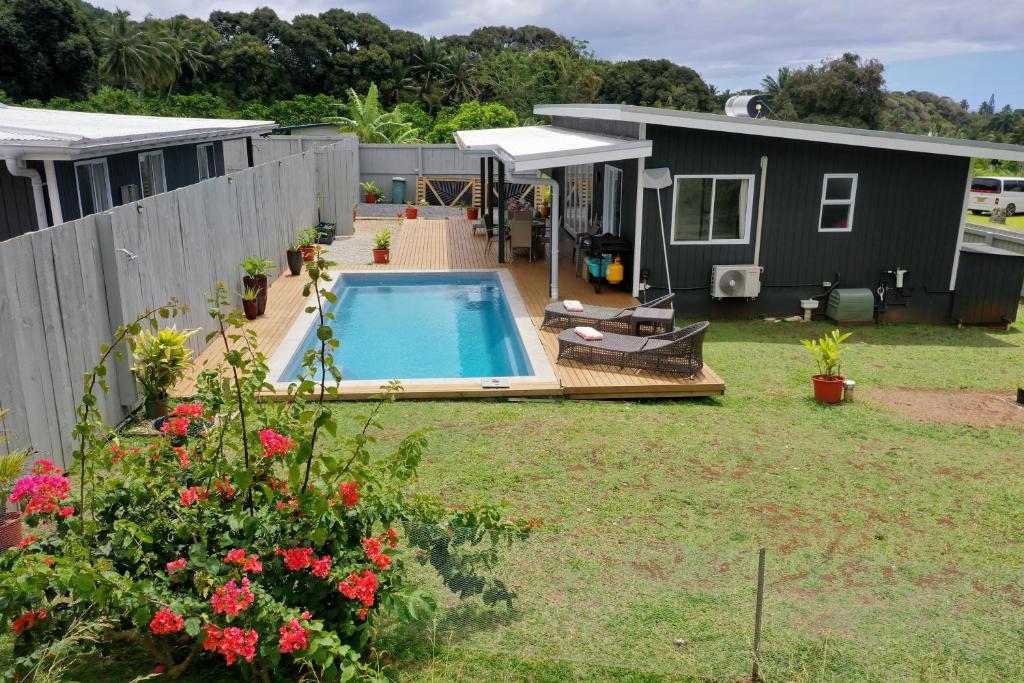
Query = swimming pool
x=419 y=326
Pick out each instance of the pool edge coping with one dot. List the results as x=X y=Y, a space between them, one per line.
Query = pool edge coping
x=543 y=372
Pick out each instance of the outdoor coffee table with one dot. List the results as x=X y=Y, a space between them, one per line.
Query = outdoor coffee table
x=649 y=321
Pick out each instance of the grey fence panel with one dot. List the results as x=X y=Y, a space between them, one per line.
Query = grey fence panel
x=66 y=288
x=380 y=163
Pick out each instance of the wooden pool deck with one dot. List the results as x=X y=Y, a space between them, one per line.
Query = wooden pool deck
x=451 y=245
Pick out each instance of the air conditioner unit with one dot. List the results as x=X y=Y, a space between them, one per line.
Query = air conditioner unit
x=129 y=193
x=735 y=281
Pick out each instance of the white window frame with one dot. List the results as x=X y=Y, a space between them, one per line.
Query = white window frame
x=163 y=172
x=201 y=160
x=851 y=202
x=78 y=187
x=745 y=239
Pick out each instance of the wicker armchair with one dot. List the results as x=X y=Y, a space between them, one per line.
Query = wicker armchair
x=680 y=351
x=604 y=318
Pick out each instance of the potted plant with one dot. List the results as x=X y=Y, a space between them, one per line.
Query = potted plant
x=1020 y=393
x=256 y=270
x=161 y=360
x=472 y=213
x=11 y=465
x=371 y=191
x=382 y=247
x=828 y=383
x=250 y=305
x=294 y=257
x=411 y=211
x=325 y=233
x=545 y=203
x=307 y=239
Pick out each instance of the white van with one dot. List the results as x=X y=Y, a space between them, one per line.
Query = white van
x=989 y=193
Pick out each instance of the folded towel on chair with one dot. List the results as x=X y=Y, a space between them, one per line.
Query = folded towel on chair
x=589 y=333
x=572 y=305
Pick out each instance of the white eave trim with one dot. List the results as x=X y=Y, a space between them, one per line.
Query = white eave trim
x=614 y=149
x=791 y=131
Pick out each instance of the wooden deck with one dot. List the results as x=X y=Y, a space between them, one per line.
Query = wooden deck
x=450 y=245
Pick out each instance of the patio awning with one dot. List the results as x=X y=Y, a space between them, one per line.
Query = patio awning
x=532 y=148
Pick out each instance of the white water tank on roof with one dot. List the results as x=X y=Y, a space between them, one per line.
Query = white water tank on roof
x=747 y=106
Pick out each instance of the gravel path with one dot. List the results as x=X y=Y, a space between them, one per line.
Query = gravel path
x=391 y=210
x=357 y=249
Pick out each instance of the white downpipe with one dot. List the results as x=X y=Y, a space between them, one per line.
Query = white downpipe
x=16 y=167
x=553 y=184
x=52 y=192
x=760 y=211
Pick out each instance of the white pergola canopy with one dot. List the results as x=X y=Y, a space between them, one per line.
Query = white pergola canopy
x=533 y=148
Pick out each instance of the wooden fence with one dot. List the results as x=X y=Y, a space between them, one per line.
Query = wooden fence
x=66 y=288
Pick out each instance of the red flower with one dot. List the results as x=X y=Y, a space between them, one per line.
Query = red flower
x=166 y=622
x=176 y=565
x=119 y=452
x=376 y=553
x=28 y=540
x=274 y=443
x=193 y=410
x=225 y=488
x=175 y=426
x=231 y=599
x=391 y=538
x=44 y=466
x=43 y=488
x=28 y=621
x=296 y=558
x=236 y=556
x=360 y=587
x=290 y=504
x=182 y=454
x=66 y=511
x=321 y=568
x=193 y=494
x=349 y=492
x=293 y=637
x=232 y=642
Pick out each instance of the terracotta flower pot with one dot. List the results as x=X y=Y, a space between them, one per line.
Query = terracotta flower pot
x=472 y=213
x=371 y=198
x=307 y=253
x=382 y=256
x=411 y=212
x=155 y=408
x=10 y=530
x=545 y=210
x=294 y=262
x=828 y=390
x=251 y=308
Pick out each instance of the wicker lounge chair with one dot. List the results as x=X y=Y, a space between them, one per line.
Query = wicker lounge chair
x=604 y=318
x=678 y=351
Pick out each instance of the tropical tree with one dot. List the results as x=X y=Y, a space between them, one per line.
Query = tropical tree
x=134 y=57
x=430 y=64
x=461 y=77
x=370 y=122
x=773 y=85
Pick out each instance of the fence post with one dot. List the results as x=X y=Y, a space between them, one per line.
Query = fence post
x=755 y=674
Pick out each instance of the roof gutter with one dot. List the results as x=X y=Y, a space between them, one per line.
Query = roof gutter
x=19 y=169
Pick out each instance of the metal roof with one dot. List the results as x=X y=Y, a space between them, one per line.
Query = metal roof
x=53 y=133
x=786 y=129
x=532 y=148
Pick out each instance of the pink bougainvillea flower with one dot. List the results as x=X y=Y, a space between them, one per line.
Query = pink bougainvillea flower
x=296 y=558
x=232 y=642
x=159 y=668
x=321 y=568
x=66 y=511
x=293 y=637
x=290 y=504
x=120 y=453
x=175 y=426
x=28 y=540
x=231 y=599
x=193 y=410
x=176 y=565
x=183 y=458
x=166 y=622
x=360 y=587
x=349 y=492
x=193 y=494
x=391 y=538
x=376 y=553
x=248 y=563
x=224 y=488
x=236 y=556
x=43 y=489
x=274 y=443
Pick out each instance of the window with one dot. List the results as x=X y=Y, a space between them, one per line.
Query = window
x=207 y=161
x=151 y=170
x=93 y=186
x=838 y=194
x=985 y=185
x=712 y=209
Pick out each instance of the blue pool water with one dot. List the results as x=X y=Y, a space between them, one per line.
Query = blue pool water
x=421 y=325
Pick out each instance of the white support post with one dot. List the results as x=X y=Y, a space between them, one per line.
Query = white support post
x=638 y=228
x=963 y=225
x=52 y=194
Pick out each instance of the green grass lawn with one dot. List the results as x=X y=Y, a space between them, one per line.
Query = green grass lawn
x=1012 y=223
x=894 y=546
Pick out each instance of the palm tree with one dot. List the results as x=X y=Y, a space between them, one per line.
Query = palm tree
x=460 y=77
x=133 y=56
x=773 y=86
x=368 y=120
x=430 y=63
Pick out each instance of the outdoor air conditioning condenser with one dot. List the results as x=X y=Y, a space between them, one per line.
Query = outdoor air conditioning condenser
x=730 y=282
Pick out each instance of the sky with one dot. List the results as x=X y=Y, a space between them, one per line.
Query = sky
x=967 y=50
